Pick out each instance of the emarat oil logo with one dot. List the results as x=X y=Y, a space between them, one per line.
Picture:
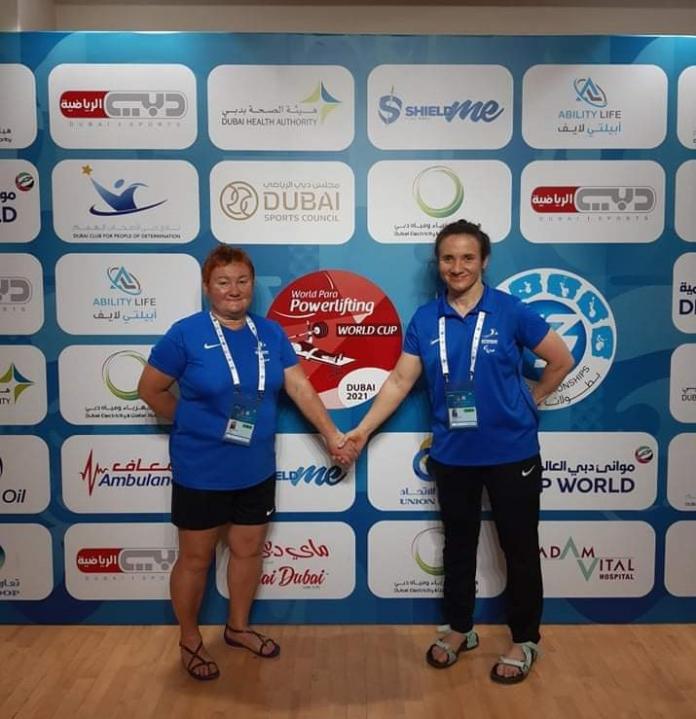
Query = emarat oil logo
x=345 y=331
x=582 y=317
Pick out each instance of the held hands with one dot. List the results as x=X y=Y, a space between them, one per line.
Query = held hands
x=341 y=450
x=356 y=439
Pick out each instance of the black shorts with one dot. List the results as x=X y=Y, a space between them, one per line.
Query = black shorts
x=208 y=508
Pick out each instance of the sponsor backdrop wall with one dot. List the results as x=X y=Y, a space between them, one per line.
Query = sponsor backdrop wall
x=333 y=160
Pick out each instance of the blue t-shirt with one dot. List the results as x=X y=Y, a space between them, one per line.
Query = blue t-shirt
x=191 y=353
x=506 y=413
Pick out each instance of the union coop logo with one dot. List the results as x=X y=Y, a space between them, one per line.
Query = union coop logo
x=420 y=460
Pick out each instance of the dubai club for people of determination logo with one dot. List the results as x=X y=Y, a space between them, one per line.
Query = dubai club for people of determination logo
x=578 y=312
x=117 y=201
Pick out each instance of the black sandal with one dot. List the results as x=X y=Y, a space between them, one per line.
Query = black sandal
x=192 y=669
x=265 y=642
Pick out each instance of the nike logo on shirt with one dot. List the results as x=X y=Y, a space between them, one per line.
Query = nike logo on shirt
x=206 y=346
x=527 y=472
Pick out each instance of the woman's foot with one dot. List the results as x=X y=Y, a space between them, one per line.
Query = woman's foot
x=446 y=650
x=196 y=660
x=255 y=642
x=513 y=667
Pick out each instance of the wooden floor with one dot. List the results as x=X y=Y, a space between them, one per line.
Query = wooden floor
x=351 y=672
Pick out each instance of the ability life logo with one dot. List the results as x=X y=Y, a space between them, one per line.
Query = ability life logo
x=12 y=385
x=125 y=303
x=577 y=311
x=120 y=200
x=596 y=118
x=392 y=108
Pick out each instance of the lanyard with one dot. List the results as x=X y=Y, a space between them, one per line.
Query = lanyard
x=442 y=342
x=228 y=354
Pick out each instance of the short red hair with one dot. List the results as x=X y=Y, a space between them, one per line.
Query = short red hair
x=224 y=255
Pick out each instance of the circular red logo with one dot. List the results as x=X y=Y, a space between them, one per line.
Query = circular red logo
x=345 y=331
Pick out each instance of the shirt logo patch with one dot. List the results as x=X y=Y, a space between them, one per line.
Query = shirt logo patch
x=206 y=346
x=489 y=341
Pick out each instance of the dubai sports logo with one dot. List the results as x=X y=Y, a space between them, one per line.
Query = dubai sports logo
x=577 y=311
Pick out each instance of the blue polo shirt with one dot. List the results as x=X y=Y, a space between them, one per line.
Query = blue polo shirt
x=507 y=415
x=190 y=352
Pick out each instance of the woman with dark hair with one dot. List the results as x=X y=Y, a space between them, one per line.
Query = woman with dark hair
x=230 y=366
x=469 y=344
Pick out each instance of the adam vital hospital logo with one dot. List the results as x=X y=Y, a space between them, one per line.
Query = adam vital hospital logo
x=590 y=565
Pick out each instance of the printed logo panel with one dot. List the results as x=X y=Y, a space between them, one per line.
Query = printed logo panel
x=25 y=485
x=280 y=107
x=598 y=470
x=681 y=478
x=122 y=473
x=21 y=295
x=397 y=477
x=143 y=201
x=592 y=201
x=582 y=317
x=302 y=560
x=684 y=293
x=597 y=559
x=404 y=560
x=680 y=561
x=684 y=207
x=308 y=480
x=594 y=106
x=686 y=108
x=26 y=562
x=123 y=294
x=682 y=384
x=122 y=106
x=119 y=561
x=439 y=107
x=18 y=110
x=345 y=331
x=22 y=385
x=410 y=201
x=20 y=214
x=288 y=203
x=98 y=384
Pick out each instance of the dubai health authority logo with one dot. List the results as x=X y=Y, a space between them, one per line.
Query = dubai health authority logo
x=577 y=311
x=323 y=101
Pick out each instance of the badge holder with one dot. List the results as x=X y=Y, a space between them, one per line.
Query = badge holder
x=240 y=426
x=461 y=408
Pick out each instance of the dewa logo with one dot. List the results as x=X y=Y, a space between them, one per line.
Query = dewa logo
x=426 y=550
x=438 y=191
x=121 y=372
x=12 y=384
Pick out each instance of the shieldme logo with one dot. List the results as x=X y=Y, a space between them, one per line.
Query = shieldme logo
x=576 y=310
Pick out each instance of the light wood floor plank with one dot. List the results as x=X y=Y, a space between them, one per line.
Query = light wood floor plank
x=345 y=672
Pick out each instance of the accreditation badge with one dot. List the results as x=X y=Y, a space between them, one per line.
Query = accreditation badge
x=461 y=408
x=240 y=426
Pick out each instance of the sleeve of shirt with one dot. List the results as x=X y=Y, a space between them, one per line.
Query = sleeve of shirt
x=531 y=327
x=169 y=354
x=288 y=358
x=411 y=342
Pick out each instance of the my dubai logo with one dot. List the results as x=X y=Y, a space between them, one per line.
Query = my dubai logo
x=125 y=303
x=594 y=116
x=117 y=201
x=121 y=372
x=13 y=384
x=309 y=111
x=426 y=550
x=133 y=106
x=577 y=311
x=591 y=565
x=283 y=201
x=133 y=473
x=391 y=107
x=438 y=191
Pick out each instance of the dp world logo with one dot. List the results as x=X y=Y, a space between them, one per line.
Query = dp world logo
x=438 y=191
x=577 y=311
x=239 y=200
x=420 y=460
x=426 y=549
x=121 y=372
x=589 y=92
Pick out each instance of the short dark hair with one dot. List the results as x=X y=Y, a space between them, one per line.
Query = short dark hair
x=464 y=227
x=224 y=255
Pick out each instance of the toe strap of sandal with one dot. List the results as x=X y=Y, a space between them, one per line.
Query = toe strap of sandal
x=448 y=649
x=530 y=650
